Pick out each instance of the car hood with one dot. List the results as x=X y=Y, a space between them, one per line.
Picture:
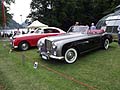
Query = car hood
x=67 y=36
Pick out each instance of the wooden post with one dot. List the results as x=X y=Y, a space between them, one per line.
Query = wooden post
x=23 y=59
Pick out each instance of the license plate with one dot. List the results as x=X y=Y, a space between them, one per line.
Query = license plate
x=44 y=57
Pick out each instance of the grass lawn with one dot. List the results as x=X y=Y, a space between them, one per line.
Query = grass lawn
x=98 y=69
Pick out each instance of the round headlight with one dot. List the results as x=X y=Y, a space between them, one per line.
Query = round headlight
x=40 y=43
x=54 y=46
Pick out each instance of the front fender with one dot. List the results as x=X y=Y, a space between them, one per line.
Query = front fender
x=70 y=45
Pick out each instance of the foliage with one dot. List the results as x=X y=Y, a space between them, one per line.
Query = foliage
x=63 y=13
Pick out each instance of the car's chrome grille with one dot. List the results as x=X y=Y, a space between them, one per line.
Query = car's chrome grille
x=48 y=45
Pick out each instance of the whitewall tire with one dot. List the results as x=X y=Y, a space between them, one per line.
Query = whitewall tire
x=106 y=44
x=71 y=55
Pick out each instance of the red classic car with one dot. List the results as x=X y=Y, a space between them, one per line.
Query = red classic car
x=25 y=41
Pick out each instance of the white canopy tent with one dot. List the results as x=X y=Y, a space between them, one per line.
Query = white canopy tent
x=37 y=24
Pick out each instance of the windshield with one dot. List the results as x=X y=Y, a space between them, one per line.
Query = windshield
x=78 y=29
x=39 y=31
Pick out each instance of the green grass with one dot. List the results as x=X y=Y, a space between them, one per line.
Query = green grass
x=99 y=69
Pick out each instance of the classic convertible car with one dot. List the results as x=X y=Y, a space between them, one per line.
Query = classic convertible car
x=25 y=41
x=78 y=40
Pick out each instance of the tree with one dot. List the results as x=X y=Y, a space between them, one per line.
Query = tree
x=64 y=13
x=6 y=10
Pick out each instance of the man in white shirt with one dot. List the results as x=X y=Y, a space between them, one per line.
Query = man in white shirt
x=92 y=26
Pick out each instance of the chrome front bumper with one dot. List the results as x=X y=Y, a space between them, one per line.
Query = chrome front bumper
x=12 y=46
x=48 y=56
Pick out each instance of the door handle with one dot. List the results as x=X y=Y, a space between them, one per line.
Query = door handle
x=86 y=42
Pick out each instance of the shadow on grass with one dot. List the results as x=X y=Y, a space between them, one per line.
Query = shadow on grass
x=18 y=50
x=92 y=52
x=53 y=61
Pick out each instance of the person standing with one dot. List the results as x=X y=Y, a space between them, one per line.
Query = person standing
x=18 y=32
x=118 y=35
x=92 y=26
x=76 y=23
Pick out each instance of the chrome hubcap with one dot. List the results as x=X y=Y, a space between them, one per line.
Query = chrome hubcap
x=106 y=44
x=70 y=55
x=24 y=46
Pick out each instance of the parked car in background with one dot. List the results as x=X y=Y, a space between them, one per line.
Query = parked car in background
x=25 y=41
x=110 y=22
x=78 y=40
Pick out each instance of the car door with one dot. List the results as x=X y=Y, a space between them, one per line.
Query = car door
x=82 y=45
x=94 y=42
x=89 y=44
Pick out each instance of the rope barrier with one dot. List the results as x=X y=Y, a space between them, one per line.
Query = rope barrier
x=69 y=77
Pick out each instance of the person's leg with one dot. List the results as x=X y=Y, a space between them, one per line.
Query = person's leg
x=119 y=39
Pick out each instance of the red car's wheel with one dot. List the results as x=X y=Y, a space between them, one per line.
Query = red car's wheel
x=24 y=46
